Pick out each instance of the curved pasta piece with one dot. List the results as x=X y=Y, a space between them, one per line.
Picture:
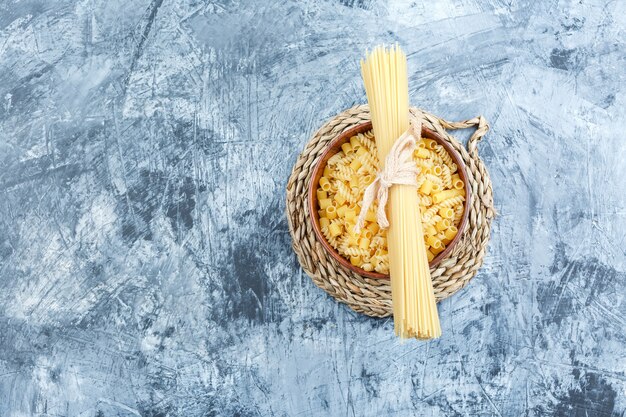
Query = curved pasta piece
x=369 y=163
x=434 y=156
x=345 y=192
x=434 y=179
x=367 y=141
x=329 y=238
x=426 y=200
x=446 y=175
x=429 y=214
x=444 y=155
x=353 y=251
x=343 y=172
x=458 y=213
x=451 y=202
x=333 y=160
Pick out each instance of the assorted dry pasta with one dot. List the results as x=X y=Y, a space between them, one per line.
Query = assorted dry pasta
x=340 y=191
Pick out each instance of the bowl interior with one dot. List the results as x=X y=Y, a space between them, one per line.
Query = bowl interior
x=333 y=148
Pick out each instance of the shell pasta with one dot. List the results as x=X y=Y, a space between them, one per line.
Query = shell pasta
x=340 y=191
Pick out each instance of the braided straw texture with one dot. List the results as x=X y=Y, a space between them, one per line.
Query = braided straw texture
x=373 y=296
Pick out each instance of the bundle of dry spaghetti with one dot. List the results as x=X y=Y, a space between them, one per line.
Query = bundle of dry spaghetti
x=384 y=73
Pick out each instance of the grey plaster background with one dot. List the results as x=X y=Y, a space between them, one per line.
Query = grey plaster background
x=145 y=262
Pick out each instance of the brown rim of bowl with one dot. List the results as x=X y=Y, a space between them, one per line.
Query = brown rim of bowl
x=332 y=148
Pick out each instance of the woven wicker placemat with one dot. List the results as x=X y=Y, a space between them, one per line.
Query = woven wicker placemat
x=373 y=296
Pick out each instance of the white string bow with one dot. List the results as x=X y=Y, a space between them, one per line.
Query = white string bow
x=399 y=168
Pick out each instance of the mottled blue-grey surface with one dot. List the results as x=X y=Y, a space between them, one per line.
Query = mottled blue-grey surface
x=145 y=261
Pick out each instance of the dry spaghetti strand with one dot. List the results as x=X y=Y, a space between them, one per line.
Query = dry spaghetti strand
x=384 y=73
